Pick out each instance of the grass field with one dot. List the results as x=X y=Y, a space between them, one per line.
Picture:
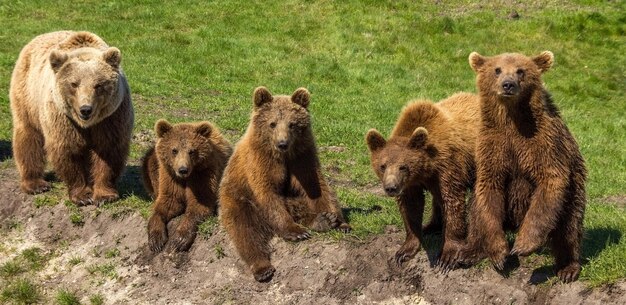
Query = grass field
x=362 y=61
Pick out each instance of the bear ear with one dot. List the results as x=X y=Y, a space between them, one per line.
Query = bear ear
x=476 y=61
x=162 y=127
x=301 y=97
x=113 y=57
x=418 y=138
x=544 y=61
x=375 y=140
x=261 y=96
x=57 y=59
x=204 y=129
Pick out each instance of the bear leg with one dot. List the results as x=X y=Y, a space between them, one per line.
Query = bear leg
x=164 y=211
x=546 y=204
x=411 y=205
x=29 y=154
x=107 y=166
x=250 y=234
x=195 y=213
x=567 y=236
x=73 y=169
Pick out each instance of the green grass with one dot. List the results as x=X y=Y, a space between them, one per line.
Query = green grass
x=97 y=299
x=65 y=297
x=22 y=291
x=362 y=61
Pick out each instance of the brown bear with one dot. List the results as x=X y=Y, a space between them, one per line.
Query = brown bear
x=431 y=148
x=70 y=102
x=183 y=172
x=273 y=183
x=530 y=172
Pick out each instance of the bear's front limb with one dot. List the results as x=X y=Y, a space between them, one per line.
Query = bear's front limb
x=73 y=169
x=30 y=158
x=274 y=208
x=111 y=144
x=566 y=241
x=487 y=217
x=165 y=208
x=545 y=207
x=250 y=234
x=411 y=205
x=453 y=199
x=200 y=205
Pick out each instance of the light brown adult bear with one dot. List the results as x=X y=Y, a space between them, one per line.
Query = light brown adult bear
x=273 y=183
x=70 y=101
x=431 y=148
x=183 y=172
x=530 y=173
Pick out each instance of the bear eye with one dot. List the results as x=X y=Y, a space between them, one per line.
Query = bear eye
x=174 y=151
x=520 y=72
x=403 y=168
x=383 y=167
x=193 y=152
x=292 y=125
x=273 y=125
x=74 y=85
x=498 y=71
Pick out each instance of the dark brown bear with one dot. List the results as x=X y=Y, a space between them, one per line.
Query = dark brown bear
x=430 y=149
x=530 y=173
x=183 y=171
x=273 y=183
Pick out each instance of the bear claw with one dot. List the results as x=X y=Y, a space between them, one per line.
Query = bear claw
x=264 y=275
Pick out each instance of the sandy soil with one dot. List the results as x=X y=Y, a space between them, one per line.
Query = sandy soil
x=317 y=271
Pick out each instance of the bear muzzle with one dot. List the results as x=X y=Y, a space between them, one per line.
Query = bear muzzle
x=509 y=88
x=85 y=112
x=183 y=172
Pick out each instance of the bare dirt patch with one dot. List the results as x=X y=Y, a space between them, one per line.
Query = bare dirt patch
x=116 y=262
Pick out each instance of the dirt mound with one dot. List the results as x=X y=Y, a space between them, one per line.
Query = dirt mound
x=114 y=260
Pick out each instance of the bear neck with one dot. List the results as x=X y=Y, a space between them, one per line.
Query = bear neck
x=524 y=114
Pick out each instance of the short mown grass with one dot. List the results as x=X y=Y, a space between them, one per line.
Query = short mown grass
x=362 y=61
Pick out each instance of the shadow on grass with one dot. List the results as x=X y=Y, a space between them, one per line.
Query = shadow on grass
x=365 y=211
x=6 y=151
x=594 y=242
x=131 y=184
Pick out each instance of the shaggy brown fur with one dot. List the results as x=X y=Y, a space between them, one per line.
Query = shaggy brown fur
x=273 y=183
x=530 y=173
x=430 y=149
x=183 y=171
x=70 y=101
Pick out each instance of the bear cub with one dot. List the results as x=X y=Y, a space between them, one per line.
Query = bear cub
x=183 y=172
x=71 y=103
x=431 y=148
x=530 y=172
x=273 y=183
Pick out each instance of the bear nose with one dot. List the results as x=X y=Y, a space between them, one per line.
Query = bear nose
x=508 y=86
x=85 y=111
x=391 y=190
x=183 y=170
x=282 y=145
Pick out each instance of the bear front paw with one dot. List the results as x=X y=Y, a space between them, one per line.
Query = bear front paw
x=82 y=196
x=182 y=241
x=325 y=221
x=498 y=258
x=35 y=186
x=524 y=246
x=407 y=252
x=157 y=240
x=296 y=234
x=344 y=228
x=569 y=273
x=264 y=274
x=449 y=255
x=104 y=196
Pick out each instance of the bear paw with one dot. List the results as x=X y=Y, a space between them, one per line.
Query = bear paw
x=82 y=196
x=498 y=258
x=101 y=198
x=525 y=246
x=325 y=221
x=407 y=252
x=35 y=186
x=449 y=255
x=264 y=274
x=344 y=228
x=182 y=241
x=569 y=273
x=157 y=240
x=296 y=234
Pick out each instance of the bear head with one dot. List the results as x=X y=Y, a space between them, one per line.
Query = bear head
x=87 y=83
x=183 y=148
x=281 y=122
x=401 y=161
x=510 y=76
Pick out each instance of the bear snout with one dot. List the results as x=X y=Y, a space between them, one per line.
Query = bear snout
x=85 y=112
x=282 y=145
x=392 y=190
x=182 y=171
x=509 y=87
